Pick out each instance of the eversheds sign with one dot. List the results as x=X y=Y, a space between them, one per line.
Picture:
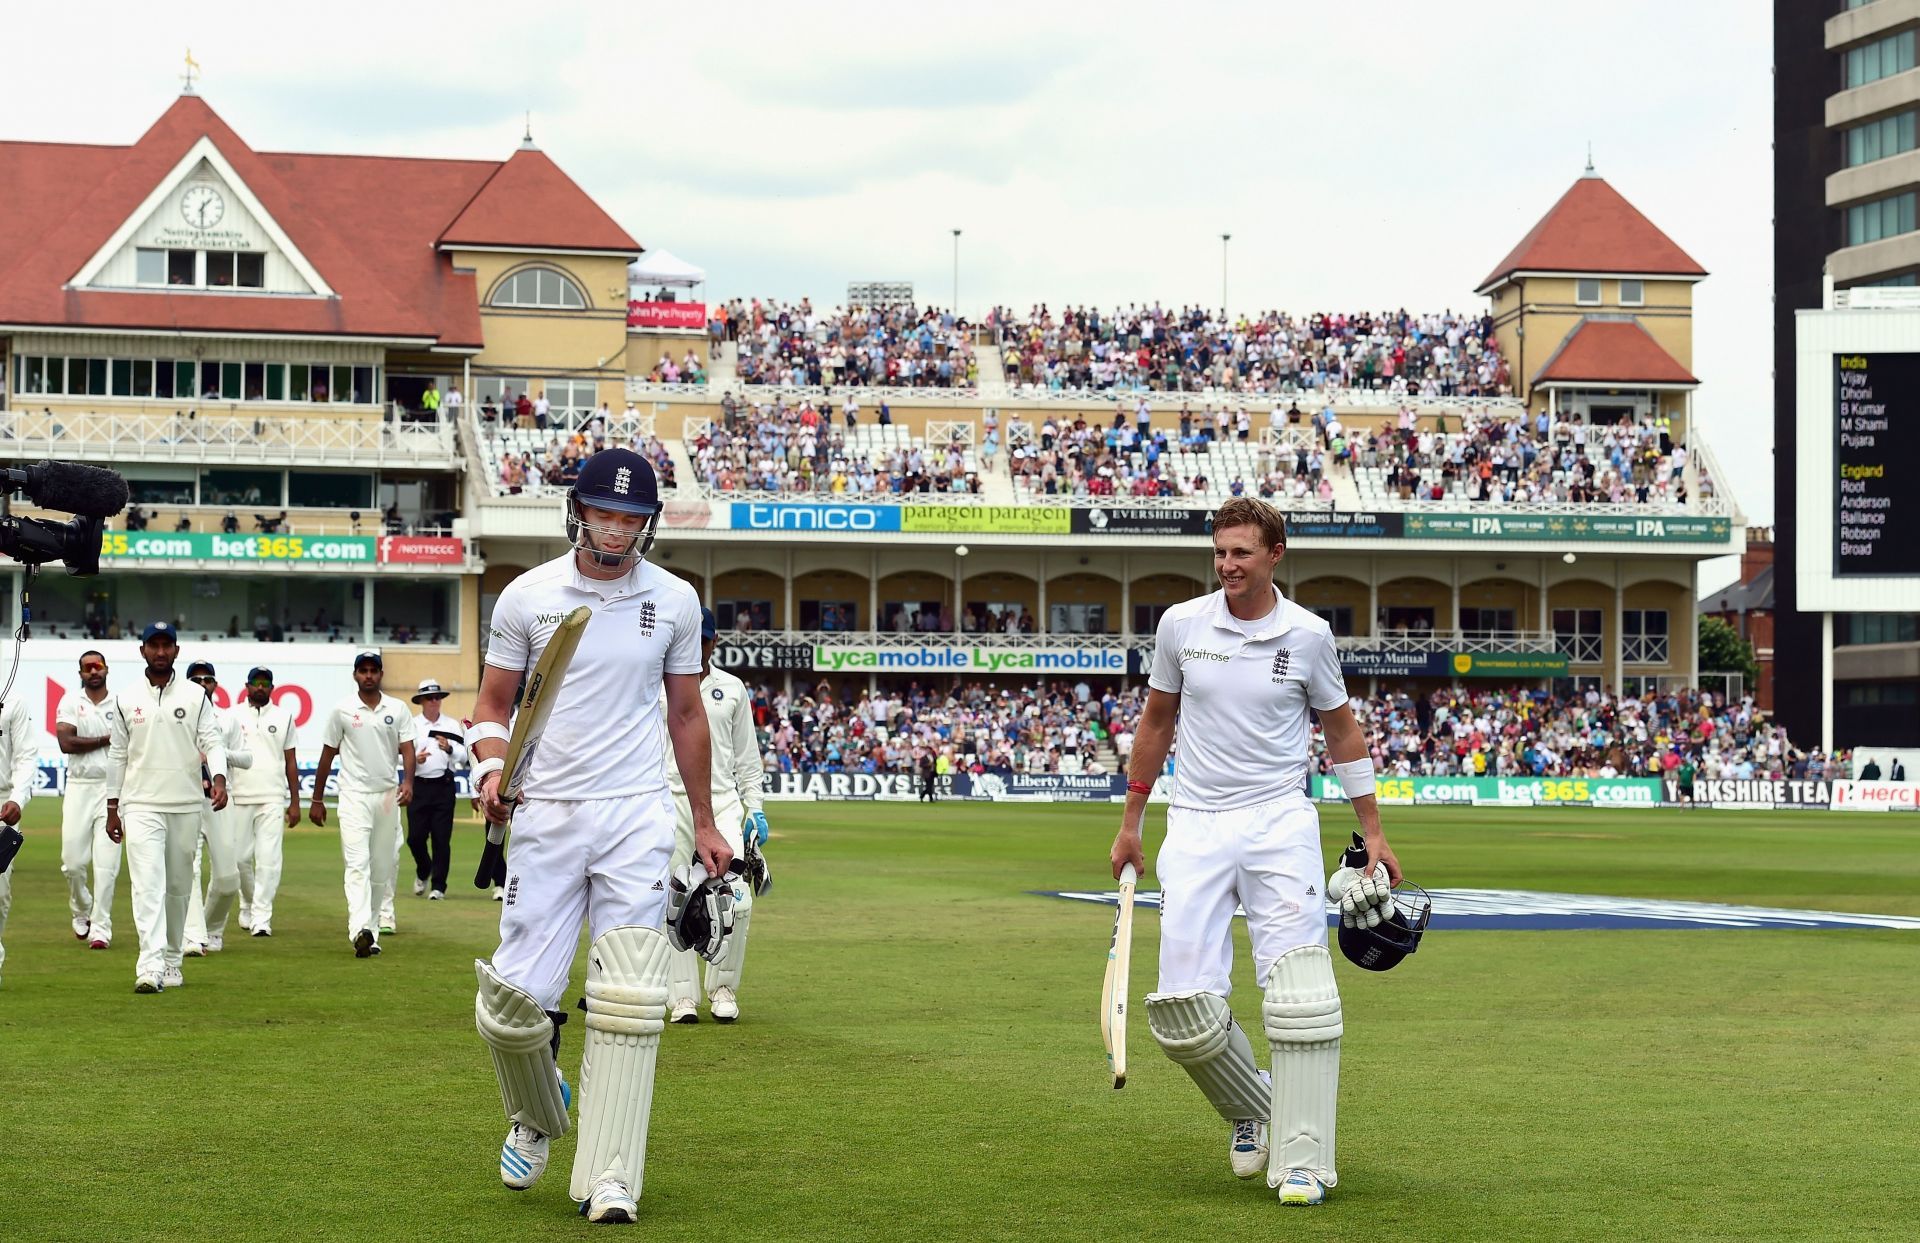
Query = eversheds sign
x=933 y=658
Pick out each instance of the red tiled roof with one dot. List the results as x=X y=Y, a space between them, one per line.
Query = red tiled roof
x=528 y=202
x=1617 y=351
x=1593 y=229
x=367 y=224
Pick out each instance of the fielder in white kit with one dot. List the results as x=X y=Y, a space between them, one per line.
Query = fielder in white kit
x=593 y=835
x=1239 y=670
x=735 y=764
x=266 y=797
x=83 y=729
x=372 y=733
x=219 y=838
x=20 y=761
x=164 y=729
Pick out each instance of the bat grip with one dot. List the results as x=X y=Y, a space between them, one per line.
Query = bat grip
x=1128 y=875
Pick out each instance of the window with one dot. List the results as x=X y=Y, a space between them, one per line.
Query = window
x=1888 y=217
x=183 y=379
x=1487 y=621
x=253 y=383
x=250 y=270
x=1645 y=637
x=1077 y=618
x=276 y=381
x=143 y=377
x=96 y=377
x=1578 y=631
x=743 y=615
x=182 y=267
x=829 y=615
x=1880 y=628
x=1338 y=616
x=540 y=287
x=29 y=374
x=219 y=268
x=1406 y=620
x=122 y=377
x=1876 y=140
x=150 y=267
x=415 y=610
x=1146 y=618
x=574 y=398
x=1906 y=280
x=230 y=381
x=241 y=487
x=1880 y=59
x=1874 y=694
x=327 y=490
x=1633 y=293
x=1586 y=291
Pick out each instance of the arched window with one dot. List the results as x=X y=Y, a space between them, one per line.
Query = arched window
x=541 y=287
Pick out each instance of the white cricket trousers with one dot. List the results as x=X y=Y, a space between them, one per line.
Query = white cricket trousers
x=369 y=842
x=601 y=860
x=263 y=828
x=84 y=842
x=160 y=848
x=684 y=966
x=220 y=832
x=6 y=904
x=1265 y=859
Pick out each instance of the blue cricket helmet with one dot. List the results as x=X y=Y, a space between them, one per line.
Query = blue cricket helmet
x=623 y=482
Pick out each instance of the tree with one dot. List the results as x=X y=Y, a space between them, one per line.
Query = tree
x=1722 y=650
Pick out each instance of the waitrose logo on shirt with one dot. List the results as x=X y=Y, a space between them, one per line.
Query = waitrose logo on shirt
x=967 y=659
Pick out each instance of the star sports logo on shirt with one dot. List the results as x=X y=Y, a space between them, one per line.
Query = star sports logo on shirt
x=621 y=479
x=1282 y=660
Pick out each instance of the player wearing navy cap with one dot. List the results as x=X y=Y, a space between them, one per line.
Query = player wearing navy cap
x=593 y=835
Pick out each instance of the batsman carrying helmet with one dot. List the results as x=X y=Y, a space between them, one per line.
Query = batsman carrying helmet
x=1237 y=673
x=593 y=832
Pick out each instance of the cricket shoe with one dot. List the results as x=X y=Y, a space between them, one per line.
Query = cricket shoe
x=419 y=886
x=245 y=919
x=80 y=929
x=685 y=1010
x=98 y=943
x=724 y=1007
x=216 y=941
x=386 y=928
x=173 y=979
x=147 y=984
x=364 y=946
x=194 y=950
x=523 y=1158
x=438 y=895
x=263 y=930
x=611 y=1203
x=1249 y=1150
x=499 y=894
x=1301 y=1188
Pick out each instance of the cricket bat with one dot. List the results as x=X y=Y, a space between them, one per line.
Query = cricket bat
x=529 y=722
x=1113 y=994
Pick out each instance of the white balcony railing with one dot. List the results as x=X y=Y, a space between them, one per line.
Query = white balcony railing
x=1033 y=394
x=1390 y=641
x=211 y=439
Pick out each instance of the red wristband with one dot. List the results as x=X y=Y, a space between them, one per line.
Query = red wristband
x=1136 y=787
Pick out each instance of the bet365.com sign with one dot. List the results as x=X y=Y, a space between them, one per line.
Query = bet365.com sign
x=209 y=546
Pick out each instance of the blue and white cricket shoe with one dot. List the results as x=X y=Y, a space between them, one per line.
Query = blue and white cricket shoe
x=523 y=1157
x=1302 y=1187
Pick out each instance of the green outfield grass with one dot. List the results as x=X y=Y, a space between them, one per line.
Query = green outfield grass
x=919 y=1056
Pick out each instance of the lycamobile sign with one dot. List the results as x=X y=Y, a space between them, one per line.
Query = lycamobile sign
x=967 y=659
x=207 y=546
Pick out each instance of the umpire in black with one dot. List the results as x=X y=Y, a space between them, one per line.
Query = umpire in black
x=440 y=748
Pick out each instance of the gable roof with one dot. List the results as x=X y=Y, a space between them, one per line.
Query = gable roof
x=528 y=202
x=1612 y=351
x=368 y=224
x=1592 y=228
x=1754 y=596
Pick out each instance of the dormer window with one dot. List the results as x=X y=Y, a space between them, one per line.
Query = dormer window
x=539 y=287
x=201 y=269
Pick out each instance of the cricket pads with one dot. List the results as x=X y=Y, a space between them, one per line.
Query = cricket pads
x=1302 y=1013
x=521 y=1038
x=1197 y=1030
x=626 y=1011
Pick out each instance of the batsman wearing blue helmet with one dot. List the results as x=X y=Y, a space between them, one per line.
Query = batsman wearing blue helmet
x=593 y=833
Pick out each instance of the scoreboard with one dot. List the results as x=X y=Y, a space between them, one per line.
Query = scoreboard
x=1876 y=464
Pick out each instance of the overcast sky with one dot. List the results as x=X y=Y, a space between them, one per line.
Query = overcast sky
x=1363 y=156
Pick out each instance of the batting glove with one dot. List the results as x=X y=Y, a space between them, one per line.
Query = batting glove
x=1365 y=899
x=756 y=828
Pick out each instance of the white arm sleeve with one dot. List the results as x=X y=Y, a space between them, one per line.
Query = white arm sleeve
x=211 y=739
x=26 y=756
x=116 y=750
x=1165 y=674
x=746 y=754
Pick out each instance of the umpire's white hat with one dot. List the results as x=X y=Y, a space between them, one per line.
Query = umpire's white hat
x=429 y=689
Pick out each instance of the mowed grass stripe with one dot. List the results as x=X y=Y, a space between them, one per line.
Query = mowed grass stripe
x=920 y=1055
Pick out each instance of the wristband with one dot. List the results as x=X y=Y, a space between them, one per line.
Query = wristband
x=484 y=767
x=481 y=730
x=1356 y=777
x=1139 y=787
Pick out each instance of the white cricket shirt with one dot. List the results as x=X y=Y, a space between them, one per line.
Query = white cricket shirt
x=735 y=758
x=607 y=736
x=19 y=752
x=1245 y=689
x=89 y=720
x=269 y=731
x=438 y=763
x=160 y=735
x=368 y=740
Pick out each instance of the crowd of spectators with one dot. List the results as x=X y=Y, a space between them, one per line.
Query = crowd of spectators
x=1210 y=454
x=1515 y=732
x=797 y=449
x=1516 y=459
x=791 y=344
x=1192 y=350
x=532 y=471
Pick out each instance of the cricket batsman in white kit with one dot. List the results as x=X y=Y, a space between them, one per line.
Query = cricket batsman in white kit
x=20 y=765
x=83 y=729
x=735 y=762
x=593 y=834
x=1239 y=670
x=372 y=733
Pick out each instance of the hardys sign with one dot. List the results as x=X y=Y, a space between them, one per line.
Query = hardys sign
x=968 y=658
x=846 y=785
x=734 y=653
